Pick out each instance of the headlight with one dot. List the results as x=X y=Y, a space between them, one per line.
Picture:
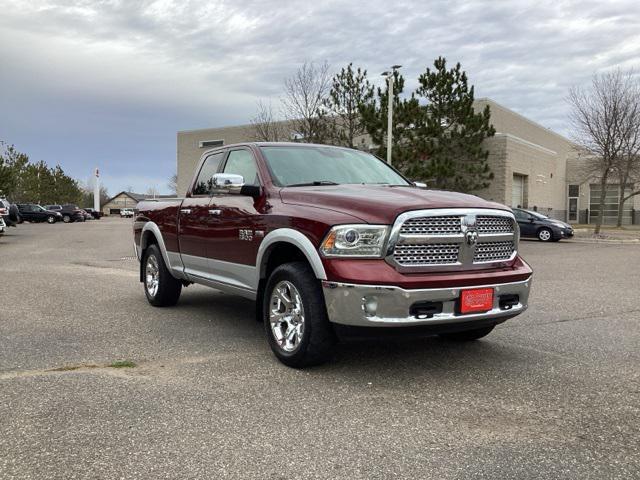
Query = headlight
x=355 y=241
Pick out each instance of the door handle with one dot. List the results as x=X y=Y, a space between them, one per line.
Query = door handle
x=215 y=212
x=186 y=211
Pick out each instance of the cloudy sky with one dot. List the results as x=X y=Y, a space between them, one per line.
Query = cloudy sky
x=108 y=83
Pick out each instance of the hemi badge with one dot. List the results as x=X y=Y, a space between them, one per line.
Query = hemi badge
x=259 y=233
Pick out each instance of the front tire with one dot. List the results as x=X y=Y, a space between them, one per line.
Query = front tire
x=51 y=219
x=160 y=287
x=545 y=235
x=468 y=335
x=295 y=317
x=66 y=218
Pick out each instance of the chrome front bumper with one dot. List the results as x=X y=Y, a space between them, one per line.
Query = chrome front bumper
x=346 y=304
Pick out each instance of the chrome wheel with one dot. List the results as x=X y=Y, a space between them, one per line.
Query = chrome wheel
x=66 y=219
x=152 y=275
x=544 y=235
x=51 y=220
x=286 y=316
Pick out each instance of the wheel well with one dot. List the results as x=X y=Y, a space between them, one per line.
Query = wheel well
x=277 y=254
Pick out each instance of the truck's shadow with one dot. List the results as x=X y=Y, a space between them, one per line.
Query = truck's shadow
x=231 y=317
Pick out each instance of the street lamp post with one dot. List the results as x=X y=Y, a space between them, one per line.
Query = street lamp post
x=390 y=74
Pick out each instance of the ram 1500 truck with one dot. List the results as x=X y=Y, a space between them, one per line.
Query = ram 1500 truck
x=323 y=237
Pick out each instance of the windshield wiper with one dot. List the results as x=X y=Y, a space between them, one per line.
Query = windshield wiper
x=315 y=183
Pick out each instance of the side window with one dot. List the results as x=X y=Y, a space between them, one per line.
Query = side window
x=241 y=162
x=203 y=183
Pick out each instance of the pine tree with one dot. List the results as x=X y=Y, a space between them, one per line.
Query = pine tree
x=350 y=89
x=450 y=152
x=406 y=111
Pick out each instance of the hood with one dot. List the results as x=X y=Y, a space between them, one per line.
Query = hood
x=378 y=203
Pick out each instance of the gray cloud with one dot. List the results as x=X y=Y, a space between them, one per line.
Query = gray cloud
x=110 y=82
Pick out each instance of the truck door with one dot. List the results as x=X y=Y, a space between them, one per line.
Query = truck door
x=195 y=223
x=241 y=227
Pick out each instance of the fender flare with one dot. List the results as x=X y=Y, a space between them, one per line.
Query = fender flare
x=295 y=238
x=155 y=230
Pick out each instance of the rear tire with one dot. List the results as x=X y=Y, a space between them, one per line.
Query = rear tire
x=468 y=335
x=66 y=218
x=161 y=288
x=295 y=317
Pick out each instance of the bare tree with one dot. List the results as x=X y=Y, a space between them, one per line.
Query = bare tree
x=601 y=119
x=264 y=126
x=173 y=184
x=628 y=165
x=304 y=95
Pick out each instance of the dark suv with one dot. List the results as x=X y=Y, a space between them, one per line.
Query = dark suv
x=70 y=213
x=31 y=212
x=534 y=224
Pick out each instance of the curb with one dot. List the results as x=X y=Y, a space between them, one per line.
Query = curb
x=610 y=241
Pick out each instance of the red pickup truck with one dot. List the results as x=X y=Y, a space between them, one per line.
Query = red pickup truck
x=325 y=237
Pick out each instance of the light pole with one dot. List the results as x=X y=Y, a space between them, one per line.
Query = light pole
x=96 y=191
x=389 y=75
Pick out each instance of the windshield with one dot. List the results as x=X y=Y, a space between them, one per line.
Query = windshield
x=309 y=165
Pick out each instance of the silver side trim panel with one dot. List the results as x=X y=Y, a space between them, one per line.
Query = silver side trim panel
x=234 y=275
x=346 y=304
x=289 y=235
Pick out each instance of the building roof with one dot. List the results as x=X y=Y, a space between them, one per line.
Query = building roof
x=138 y=197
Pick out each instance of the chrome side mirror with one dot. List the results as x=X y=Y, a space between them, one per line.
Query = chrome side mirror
x=420 y=184
x=227 y=183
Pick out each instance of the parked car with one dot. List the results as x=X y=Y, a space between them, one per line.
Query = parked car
x=70 y=213
x=94 y=213
x=126 y=213
x=328 y=239
x=31 y=212
x=537 y=225
x=87 y=215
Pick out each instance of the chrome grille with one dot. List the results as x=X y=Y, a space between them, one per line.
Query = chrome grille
x=433 y=254
x=452 y=239
x=493 y=251
x=442 y=225
x=488 y=224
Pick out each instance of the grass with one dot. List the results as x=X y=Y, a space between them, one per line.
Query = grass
x=123 y=364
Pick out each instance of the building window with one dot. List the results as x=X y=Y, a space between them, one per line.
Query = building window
x=211 y=143
x=574 y=191
x=611 y=199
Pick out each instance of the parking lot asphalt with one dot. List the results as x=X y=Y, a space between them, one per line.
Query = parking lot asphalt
x=554 y=393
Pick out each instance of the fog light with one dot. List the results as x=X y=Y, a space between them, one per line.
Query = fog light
x=370 y=305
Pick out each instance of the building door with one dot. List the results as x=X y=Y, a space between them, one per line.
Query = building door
x=574 y=194
x=517 y=191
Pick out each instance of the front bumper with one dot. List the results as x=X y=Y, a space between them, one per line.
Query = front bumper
x=346 y=304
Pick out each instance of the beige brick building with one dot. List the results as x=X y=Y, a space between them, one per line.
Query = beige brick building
x=533 y=166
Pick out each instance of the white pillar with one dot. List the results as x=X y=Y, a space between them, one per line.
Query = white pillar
x=390 y=118
x=96 y=192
